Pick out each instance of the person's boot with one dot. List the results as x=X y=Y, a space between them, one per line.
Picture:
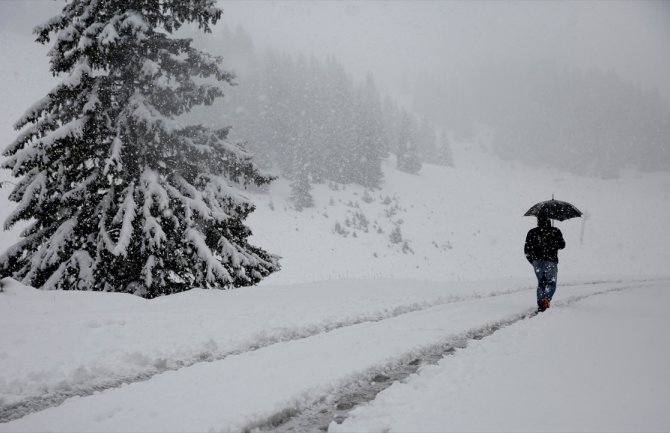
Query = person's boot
x=545 y=303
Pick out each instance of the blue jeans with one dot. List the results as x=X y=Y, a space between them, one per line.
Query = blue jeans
x=546 y=273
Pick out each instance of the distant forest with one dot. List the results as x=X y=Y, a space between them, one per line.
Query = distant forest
x=310 y=121
x=591 y=123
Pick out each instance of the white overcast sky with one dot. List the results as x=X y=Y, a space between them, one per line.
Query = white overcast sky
x=395 y=39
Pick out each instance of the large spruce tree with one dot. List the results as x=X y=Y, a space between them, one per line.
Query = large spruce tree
x=120 y=196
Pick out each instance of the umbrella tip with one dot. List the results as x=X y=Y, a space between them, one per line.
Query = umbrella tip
x=552 y=196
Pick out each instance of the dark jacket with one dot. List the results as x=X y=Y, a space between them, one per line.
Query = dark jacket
x=543 y=243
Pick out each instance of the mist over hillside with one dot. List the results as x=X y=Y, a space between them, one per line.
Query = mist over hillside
x=465 y=223
x=578 y=86
x=589 y=122
x=428 y=224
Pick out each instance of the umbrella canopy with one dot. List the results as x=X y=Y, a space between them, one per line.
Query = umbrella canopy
x=554 y=209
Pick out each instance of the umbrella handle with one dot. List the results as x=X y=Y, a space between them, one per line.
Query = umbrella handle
x=585 y=215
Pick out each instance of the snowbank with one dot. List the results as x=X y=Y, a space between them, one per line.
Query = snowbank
x=68 y=343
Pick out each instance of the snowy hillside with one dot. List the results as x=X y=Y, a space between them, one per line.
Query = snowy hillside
x=460 y=223
x=455 y=223
x=465 y=223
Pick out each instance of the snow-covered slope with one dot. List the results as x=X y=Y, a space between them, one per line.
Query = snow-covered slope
x=466 y=223
x=455 y=223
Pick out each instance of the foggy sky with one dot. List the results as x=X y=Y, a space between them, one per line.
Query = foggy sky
x=400 y=42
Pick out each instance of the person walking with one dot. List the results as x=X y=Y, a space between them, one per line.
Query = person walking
x=541 y=249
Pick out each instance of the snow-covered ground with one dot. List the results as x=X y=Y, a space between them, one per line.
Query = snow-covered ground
x=349 y=304
x=465 y=223
x=63 y=343
x=594 y=359
x=596 y=365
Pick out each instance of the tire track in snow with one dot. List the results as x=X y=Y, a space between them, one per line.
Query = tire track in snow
x=53 y=398
x=367 y=385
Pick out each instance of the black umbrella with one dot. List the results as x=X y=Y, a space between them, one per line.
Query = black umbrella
x=554 y=209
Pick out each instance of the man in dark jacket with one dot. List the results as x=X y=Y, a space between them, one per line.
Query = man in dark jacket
x=542 y=245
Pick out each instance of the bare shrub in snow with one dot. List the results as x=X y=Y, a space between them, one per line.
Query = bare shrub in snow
x=340 y=230
x=367 y=197
x=396 y=235
x=360 y=221
x=391 y=211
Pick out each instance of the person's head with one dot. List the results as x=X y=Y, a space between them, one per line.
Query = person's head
x=543 y=222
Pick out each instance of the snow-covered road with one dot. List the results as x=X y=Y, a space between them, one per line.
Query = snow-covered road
x=55 y=345
x=598 y=365
x=252 y=388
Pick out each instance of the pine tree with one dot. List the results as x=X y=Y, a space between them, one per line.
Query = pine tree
x=369 y=136
x=301 y=195
x=407 y=147
x=444 y=155
x=122 y=197
x=427 y=141
x=339 y=151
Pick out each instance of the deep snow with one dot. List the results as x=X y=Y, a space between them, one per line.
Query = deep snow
x=596 y=365
x=65 y=343
x=248 y=388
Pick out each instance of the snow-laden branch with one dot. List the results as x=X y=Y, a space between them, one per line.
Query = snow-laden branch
x=214 y=269
x=49 y=254
x=32 y=196
x=140 y=110
x=125 y=216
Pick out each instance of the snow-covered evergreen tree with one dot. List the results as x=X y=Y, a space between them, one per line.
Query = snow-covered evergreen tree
x=339 y=150
x=303 y=114
x=444 y=155
x=427 y=141
x=407 y=147
x=301 y=195
x=121 y=197
x=369 y=136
